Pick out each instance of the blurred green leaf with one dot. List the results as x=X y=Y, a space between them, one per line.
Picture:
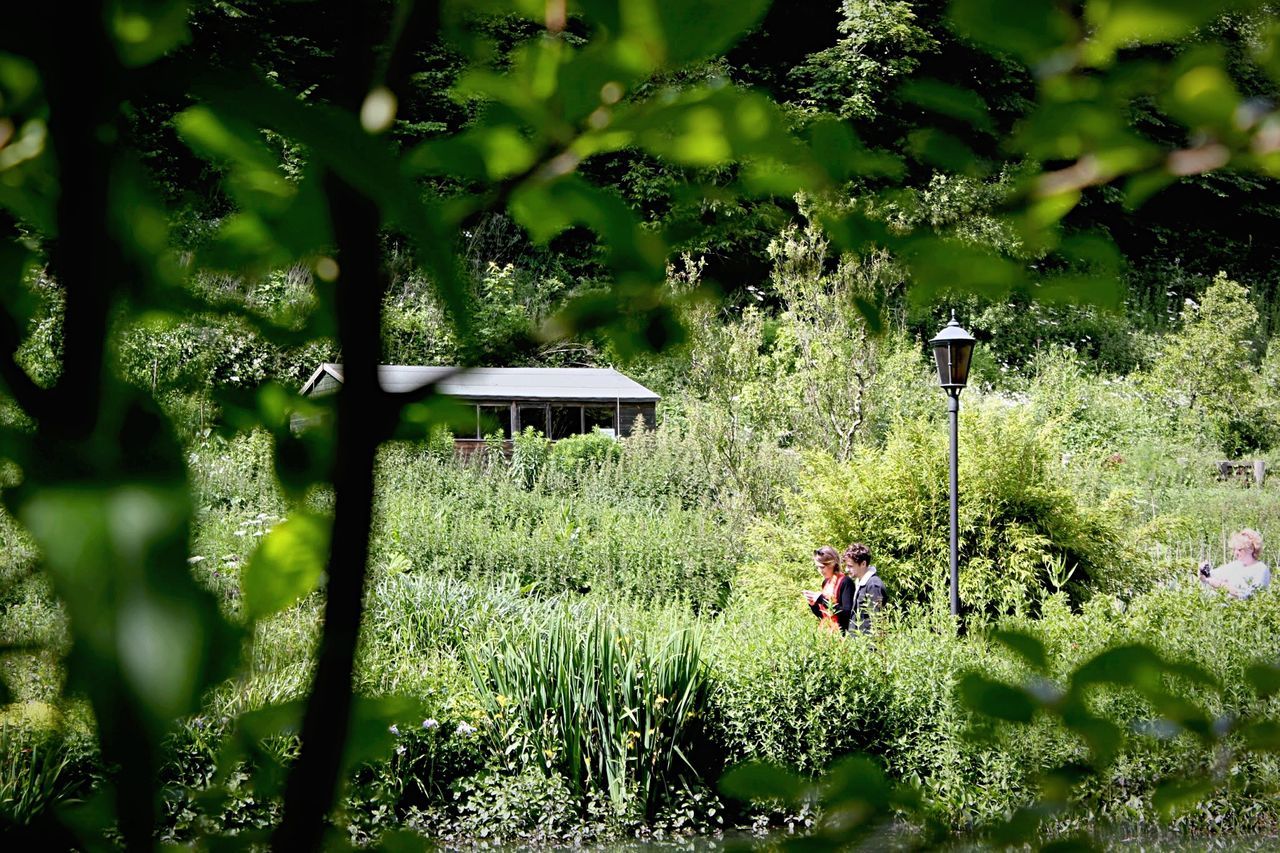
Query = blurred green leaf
x=1264 y=678
x=942 y=265
x=948 y=100
x=656 y=33
x=1174 y=796
x=757 y=781
x=1103 y=737
x=1263 y=735
x=1032 y=30
x=418 y=419
x=1127 y=666
x=1202 y=93
x=403 y=841
x=1025 y=646
x=995 y=699
x=843 y=156
x=375 y=725
x=857 y=781
x=1121 y=23
x=145 y=30
x=287 y=564
x=941 y=149
x=1071 y=844
x=482 y=153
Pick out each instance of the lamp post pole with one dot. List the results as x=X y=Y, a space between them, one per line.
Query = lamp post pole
x=953 y=412
x=953 y=352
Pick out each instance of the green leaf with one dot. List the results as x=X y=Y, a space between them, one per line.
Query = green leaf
x=995 y=699
x=857 y=781
x=1202 y=94
x=1032 y=30
x=942 y=265
x=1025 y=646
x=758 y=781
x=287 y=564
x=1263 y=736
x=1119 y=23
x=941 y=149
x=371 y=735
x=948 y=100
x=1177 y=795
x=145 y=30
x=1126 y=666
x=1071 y=844
x=1264 y=678
x=660 y=33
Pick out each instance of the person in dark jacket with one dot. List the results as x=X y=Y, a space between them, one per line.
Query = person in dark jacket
x=833 y=604
x=868 y=589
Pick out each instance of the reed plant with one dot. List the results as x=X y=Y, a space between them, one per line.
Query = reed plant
x=611 y=709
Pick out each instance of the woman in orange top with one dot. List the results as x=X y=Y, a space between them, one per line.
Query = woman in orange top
x=833 y=604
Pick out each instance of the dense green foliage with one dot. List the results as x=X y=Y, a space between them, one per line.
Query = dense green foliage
x=217 y=629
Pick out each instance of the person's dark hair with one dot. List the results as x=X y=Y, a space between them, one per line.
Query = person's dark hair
x=857 y=553
x=827 y=555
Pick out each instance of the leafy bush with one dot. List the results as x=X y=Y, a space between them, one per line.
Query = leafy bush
x=579 y=452
x=1019 y=526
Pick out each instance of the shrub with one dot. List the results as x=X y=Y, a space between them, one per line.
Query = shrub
x=593 y=450
x=1019 y=526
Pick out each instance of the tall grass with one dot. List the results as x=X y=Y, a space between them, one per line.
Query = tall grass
x=570 y=535
x=610 y=708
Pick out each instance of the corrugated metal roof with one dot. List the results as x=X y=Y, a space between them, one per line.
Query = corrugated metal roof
x=507 y=383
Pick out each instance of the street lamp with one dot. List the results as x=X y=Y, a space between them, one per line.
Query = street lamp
x=953 y=350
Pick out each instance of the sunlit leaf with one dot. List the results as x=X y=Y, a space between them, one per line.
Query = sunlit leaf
x=287 y=564
x=1118 y=23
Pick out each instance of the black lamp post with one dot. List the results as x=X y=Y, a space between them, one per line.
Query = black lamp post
x=953 y=350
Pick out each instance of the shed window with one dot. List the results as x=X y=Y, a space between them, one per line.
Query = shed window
x=534 y=416
x=495 y=418
x=599 y=416
x=566 y=421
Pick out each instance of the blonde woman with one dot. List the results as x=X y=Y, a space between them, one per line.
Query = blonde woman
x=833 y=604
x=1244 y=575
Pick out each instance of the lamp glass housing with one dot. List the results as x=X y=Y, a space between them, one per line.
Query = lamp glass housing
x=953 y=352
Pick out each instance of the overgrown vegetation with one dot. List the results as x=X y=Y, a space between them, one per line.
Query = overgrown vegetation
x=216 y=629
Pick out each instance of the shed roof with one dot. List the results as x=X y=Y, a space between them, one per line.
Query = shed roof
x=506 y=383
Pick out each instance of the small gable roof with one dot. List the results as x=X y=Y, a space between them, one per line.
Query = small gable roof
x=583 y=384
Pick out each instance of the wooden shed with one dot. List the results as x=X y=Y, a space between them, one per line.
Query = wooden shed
x=558 y=401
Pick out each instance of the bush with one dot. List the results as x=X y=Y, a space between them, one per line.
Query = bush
x=590 y=451
x=1021 y=530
